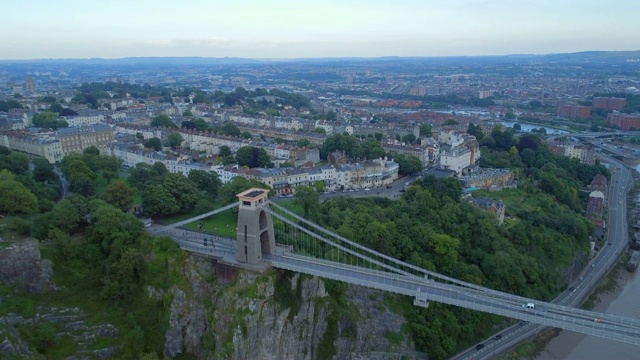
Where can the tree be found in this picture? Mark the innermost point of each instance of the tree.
(409, 165)
(162, 121)
(517, 127)
(65, 216)
(279, 140)
(203, 206)
(331, 116)
(303, 143)
(153, 143)
(91, 150)
(187, 113)
(118, 194)
(157, 201)
(43, 170)
(174, 140)
(230, 129)
(372, 149)
(246, 135)
(16, 198)
(48, 120)
(201, 124)
(244, 156)
(263, 160)
(17, 163)
(253, 157)
(56, 108)
(308, 198)
(378, 136)
(535, 104)
(206, 181)
(450, 122)
(425, 130)
(224, 150)
(510, 115)
(409, 138)
(320, 130)
(183, 190)
(123, 276)
(139, 136)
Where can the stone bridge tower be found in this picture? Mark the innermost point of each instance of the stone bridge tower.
(255, 227)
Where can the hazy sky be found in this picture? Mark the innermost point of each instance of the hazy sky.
(33, 29)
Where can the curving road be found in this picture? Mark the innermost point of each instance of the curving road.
(619, 187)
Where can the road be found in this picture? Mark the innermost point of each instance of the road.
(619, 186)
(63, 181)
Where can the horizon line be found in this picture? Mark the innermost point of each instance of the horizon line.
(318, 58)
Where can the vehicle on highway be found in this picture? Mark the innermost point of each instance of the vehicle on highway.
(366, 189)
(529, 305)
(479, 346)
(497, 337)
(389, 186)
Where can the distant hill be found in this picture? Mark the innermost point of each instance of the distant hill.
(587, 57)
(144, 61)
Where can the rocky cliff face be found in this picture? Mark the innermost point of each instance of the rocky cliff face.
(272, 316)
(21, 265)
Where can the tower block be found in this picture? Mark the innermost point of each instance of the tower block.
(255, 227)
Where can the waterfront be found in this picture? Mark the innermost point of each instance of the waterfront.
(528, 127)
(623, 301)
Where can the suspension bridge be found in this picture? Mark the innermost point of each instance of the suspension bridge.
(308, 248)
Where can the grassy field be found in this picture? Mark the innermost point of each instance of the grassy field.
(225, 223)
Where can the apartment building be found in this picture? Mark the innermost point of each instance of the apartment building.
(585, 153)
(460, 159)
(426, 154)
(43, 146)
(574, 111)
(608, 103)
(624, 121)
(76, 139)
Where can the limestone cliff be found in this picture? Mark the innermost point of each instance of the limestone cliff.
(219, 313)
(22, 267)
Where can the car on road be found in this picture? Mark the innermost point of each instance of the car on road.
(366, 189)
(479, 346)
(529, 305)
(497, 337)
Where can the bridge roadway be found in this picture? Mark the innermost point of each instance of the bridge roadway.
(424, 290)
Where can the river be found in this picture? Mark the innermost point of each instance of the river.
(574, 346)
(529, 127)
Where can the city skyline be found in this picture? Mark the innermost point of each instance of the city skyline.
(37, 29)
